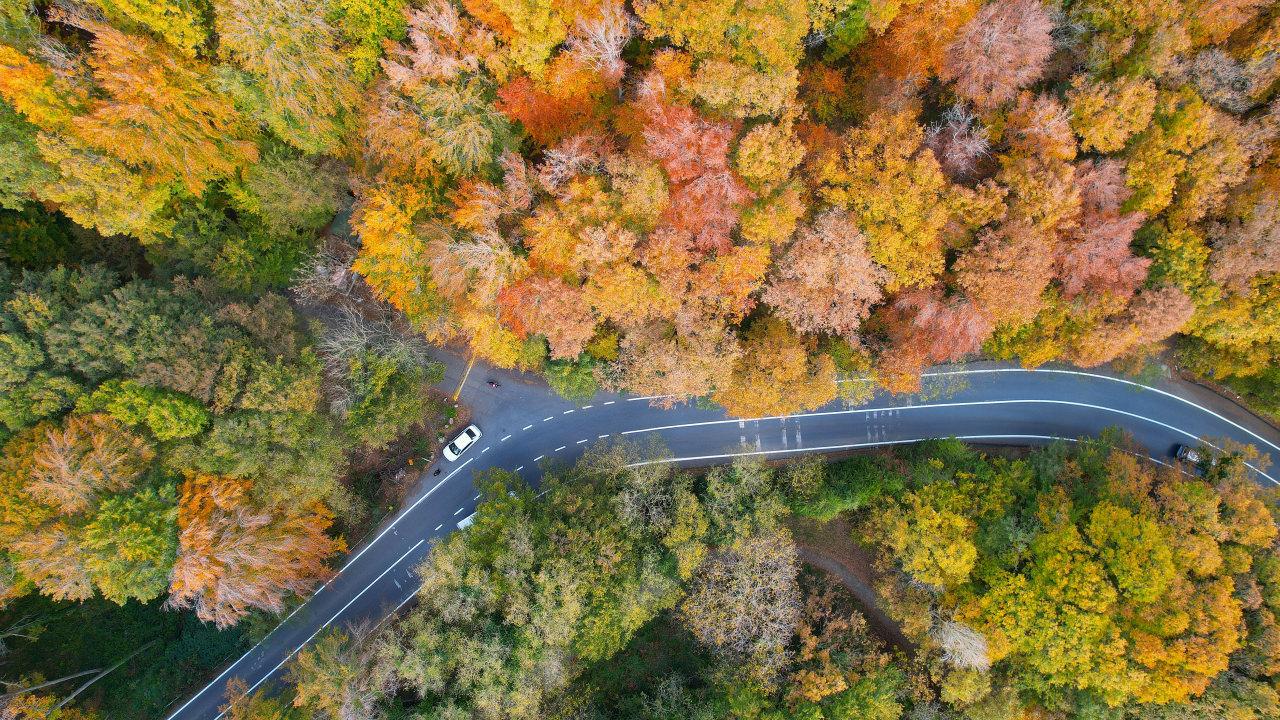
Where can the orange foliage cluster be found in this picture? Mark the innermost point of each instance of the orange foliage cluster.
(532, 175)
(233, 558)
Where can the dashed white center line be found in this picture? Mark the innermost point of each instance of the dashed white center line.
(539, 458)
(566, 412)
(558, 449)
(545, 419)
(611, 402)
(526, 427)
(477, 497)
(587, 407)
(505, 439)
(484, 451)
(519, 468)
(582, 441)
(439, 526)
(455, 512)
(601, 437)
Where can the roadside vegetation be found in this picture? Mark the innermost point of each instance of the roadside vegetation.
(688, 198)
(1074, 581)
(176, 454)
(229, 230)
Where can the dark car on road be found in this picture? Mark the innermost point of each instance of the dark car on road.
(1189, 454)
(1202, 461)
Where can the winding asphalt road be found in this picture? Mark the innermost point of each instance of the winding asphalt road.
(525, 426)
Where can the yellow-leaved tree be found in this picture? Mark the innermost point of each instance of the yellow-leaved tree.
(895, 190)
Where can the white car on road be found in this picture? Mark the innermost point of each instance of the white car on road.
(465, 439)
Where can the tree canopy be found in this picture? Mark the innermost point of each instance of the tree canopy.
(546, 182)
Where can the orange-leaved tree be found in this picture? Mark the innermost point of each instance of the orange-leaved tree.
(234, 557)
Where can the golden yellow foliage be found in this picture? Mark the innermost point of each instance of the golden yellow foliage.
(46, 100)
(162, 112)
(897, 193)
(1106, 114)
(393, 258)
(773, 218)
(778, 373)
(767, 155)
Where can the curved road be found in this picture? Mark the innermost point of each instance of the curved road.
(526, 426)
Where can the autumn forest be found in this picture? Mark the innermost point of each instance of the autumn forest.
(733, 202)
(657, 198)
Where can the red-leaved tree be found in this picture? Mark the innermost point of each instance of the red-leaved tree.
(706, 194)
(1096, 258)
(926, 327)
(547, 306)
(1008, 270)
(826, 281)
(1000, 51)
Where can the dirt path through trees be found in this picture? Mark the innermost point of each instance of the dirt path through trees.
(829, 547)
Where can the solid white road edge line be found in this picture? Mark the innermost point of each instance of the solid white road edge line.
(843, 446)
(1082, 373)
(326, 624)
(368, 545)
(893, 442)
(404, 512)
(971, 403)
(972, 371)
(653, 462)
